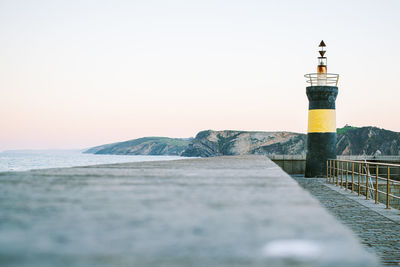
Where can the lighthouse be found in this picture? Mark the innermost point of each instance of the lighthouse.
(321, 131)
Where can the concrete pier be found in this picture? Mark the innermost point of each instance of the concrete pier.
(377, 227)
(223, 211)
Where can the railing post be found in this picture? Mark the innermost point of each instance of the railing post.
(376, 184)
(334, 170)
(337, 172)
(359, 175)
(341, 177)
(327, 170)
(387, 188)
(330, 171)
(347, 174)
(366, 182)
(352, 177)
(328, 177)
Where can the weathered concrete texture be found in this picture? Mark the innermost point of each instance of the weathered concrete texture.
(225, 211)
(378, 229)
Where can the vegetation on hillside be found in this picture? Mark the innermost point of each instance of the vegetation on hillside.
(345, 129)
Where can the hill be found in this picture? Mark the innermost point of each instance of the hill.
(216, 143)
(144, 146)
(209, 143)
(367, 141)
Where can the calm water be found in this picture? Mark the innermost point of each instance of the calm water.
(22, 160)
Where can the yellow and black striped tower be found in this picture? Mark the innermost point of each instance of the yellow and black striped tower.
(321, 133)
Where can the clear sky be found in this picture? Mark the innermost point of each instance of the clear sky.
(79, 73)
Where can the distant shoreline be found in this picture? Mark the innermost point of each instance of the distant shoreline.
(16, 161)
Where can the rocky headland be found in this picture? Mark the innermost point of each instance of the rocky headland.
(209, 143)
(144, 146)
(217, 143)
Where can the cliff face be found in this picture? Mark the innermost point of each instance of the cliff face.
(368, 141)
(144, 146)
(350, 141)
(215, 143)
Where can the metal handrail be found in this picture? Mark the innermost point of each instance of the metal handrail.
(361, 178)
(370, 162)
(325, 78)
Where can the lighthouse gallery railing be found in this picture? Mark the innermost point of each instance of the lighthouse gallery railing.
(322, 78)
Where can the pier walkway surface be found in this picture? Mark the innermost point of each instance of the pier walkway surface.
(223, 211)
(378, 229)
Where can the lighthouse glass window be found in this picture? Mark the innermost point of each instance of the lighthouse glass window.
(322, 71)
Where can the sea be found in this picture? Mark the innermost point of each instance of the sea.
(23, 160)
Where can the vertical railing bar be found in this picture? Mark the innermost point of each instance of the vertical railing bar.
(376, 184)
(387, 188)
(334, 170)
(352, 177)
(347, 174)
(359, 175)
(327, 171)
(366, 182)
(341, 178)
(337, 171)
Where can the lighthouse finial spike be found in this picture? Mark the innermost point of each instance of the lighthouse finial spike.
(322, 44)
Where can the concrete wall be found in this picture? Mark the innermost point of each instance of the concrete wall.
(291, 164)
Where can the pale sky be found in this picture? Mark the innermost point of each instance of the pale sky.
(76, 74)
